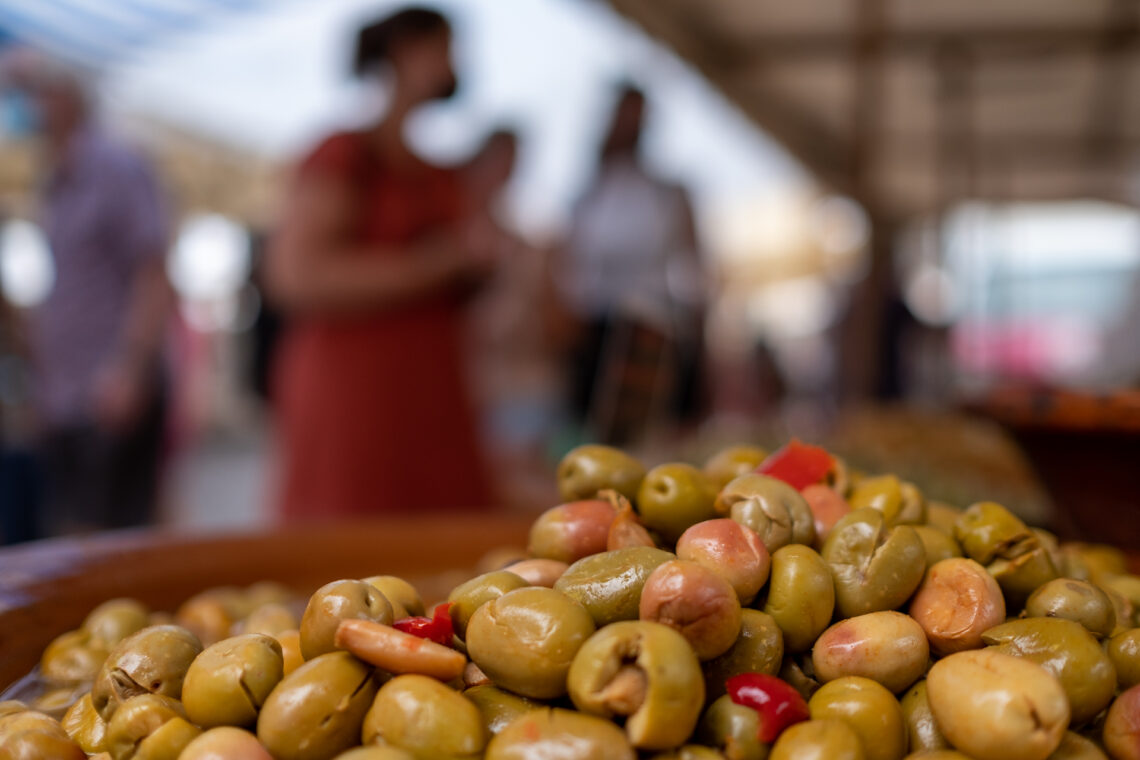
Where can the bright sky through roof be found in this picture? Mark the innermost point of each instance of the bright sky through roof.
(273, 80)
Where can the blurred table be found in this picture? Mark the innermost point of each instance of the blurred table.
(48, 587)
(1086, 450)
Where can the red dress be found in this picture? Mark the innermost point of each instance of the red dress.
(373, 409)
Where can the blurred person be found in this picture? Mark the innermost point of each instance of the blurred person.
(19, 482)
(633, 277)
(373, 263)
(97, 339)
(513, 323)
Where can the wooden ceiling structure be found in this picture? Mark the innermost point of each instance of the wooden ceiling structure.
(912, 106)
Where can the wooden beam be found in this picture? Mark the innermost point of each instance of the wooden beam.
(824, 152)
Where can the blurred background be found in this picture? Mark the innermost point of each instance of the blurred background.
(915, 232)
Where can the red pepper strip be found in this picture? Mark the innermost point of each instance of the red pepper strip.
(437, 628)
(797, 464)
(776, 703)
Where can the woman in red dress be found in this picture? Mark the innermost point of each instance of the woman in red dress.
(373, 261)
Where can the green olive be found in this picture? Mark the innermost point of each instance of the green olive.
(818, 740)
(674, 496)
(937, 544)
(11, 707)
(376, 753)
(72, 658)
(868, 708)
(498, 707)
(1076, 747)
(85, 726)
(695, 601)
(149, 727)
(334, 602)
(228, 682)
(226, 743)
(801, 596)
(526, 639)
(995, 706)
(1121, 734)
(875, 567)
(1124, 651)
(1079, 601)
(271, 618)
(398, 592)
(591, 468)
(151, 661)
(571, 531)
(644, 672)
(554, 734)
(426, 718)
(758, 649)
(921, 728)
(1012, 553)
(473, 594)
(690, 752)
(887, 647)
(772, 508)
(733, 729)
(732, 462)
(885, 494)
(212, 614)
(56, 701)
(1068, 651)
(317, 710)
(39, 745)
(113, 621)
(1126, 585)
(957, 602)
(609, 584)
(733, 551)
(942, 516)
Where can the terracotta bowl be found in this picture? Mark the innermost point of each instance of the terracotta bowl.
(48, 587)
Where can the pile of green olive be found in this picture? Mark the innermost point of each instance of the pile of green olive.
(902, 628)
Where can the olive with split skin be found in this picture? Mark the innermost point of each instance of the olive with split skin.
(869, 709)
(553, 733)
(591, 468)
(425, 717)
(498, 707)
(645, 672)
(399, 593)
(153, 660)
(228, 682)
(801, 596)
(695, 601)
(526, 639)
(673, 497)
(957, 602)
(733, 729)
(876, 567)
(771, 507)
(1079, 601)
(609, 584)
(901, 503)
(995, 706)
(149, 727)
(31, 735)
(85, 726)
(732, 462)
(758, 649)
(818, 740)
(334, 602)
(317, 710)
(993, 536)
(1069, 652)
(470, 595)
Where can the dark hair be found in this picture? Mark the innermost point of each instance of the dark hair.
(374, 42)
(615, 143)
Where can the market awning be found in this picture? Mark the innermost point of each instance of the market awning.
(908, 106)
